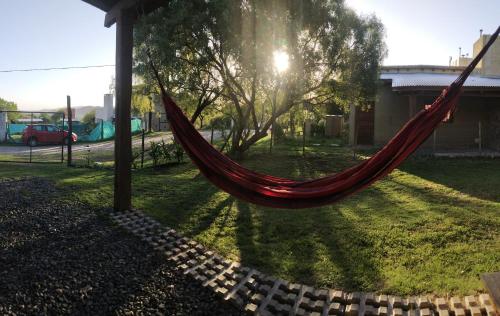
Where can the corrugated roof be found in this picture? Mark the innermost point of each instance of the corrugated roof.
(400, 80)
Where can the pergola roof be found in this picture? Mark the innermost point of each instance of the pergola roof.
(400, 80)
(104, 5)
(113, 6)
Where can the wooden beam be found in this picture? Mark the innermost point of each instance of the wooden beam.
(412, 105)
(492, 283)
(136, 6)
(123, 137)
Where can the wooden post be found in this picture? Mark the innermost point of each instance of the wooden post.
(70, 130)
(62, 145)
(412, 109)
(123, 137)
(142, 147)
(480, 138)
(31, 147)
(150, 119)
(434, 140)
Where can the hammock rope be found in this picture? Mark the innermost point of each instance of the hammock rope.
(280, 192)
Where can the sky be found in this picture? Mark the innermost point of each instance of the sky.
(60, 33)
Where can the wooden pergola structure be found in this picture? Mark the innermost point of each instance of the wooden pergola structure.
(124, 13)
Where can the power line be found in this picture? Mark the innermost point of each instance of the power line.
(55, 68)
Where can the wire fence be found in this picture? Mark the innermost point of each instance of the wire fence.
(28, 136)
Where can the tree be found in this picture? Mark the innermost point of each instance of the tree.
(264, 57)
(9, 106)
(89, 118)
(141, 99)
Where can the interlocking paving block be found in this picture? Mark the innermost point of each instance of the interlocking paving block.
(489, 310)
(290, 298)
(308, 291)
(336, 308)
(423, 303)
(382, 311)
(304, 302)
(485, 299)
(352, 310)
(354, 298)
(412, 312)
(236, 300)
(396, 301)
(410, 303)
(318, 305)
(440, 303)
(475, 311)
(382, 300)
(338, 296)
(398, 311)
(370, 299)
(251, 308)
(321, 294)
(220, 290)
(257, 298)
(456, 302)
(370, 310)
(470, 301)
(425, 312)
(443, 312)
(459, 312)
(294, 288)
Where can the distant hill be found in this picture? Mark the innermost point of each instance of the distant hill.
(80, 111)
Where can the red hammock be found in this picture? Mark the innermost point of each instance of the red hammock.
(285, 193)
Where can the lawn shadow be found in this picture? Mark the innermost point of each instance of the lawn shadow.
(298, 244)
(477, 180)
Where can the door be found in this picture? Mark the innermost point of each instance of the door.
(54, 134)
(365, 125)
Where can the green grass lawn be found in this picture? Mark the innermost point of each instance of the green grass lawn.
(432, 226)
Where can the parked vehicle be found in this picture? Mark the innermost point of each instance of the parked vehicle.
(45, 134)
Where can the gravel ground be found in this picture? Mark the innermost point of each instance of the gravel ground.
(64, 258)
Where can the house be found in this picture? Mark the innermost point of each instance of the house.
(405, 90)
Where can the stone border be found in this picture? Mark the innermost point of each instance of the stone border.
(261, 294)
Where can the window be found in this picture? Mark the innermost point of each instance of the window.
(52, 128)
(39, 128)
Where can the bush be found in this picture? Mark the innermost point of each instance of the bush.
(162, 152)
(318, 129)
(278, 132)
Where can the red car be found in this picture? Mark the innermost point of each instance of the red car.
(45, 133)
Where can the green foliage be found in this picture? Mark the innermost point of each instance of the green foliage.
(9, 106)
(226, 47)
(89, 119)
(278, 132)
(318, 128)
(141, 99)
(162, 152)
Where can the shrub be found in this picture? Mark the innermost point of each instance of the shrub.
(162, 152)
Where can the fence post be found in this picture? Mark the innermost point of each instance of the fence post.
(70, 131)
(304, 138)
(31, 147)
(62, 145)
(102, 130)
(212, 136)
(480, 138)
(142, 148)
(150, 119)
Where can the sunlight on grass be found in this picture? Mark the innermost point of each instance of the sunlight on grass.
(432, 226)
